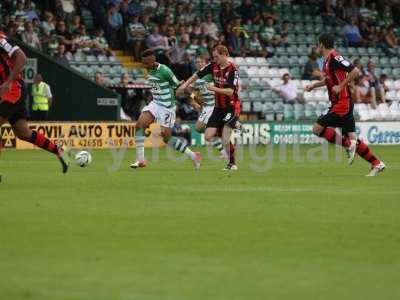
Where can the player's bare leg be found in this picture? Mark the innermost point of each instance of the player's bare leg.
(200, 127)
(361, 148)
(144, 121)
(181, 145)
(23, 132)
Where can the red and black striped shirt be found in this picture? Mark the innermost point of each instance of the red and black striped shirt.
(6, 64)
(335, 70)
(227, 77)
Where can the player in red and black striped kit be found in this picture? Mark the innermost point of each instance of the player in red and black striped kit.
(12, 100)
(338, 74)
(226, 112)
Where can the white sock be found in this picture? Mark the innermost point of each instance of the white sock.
(140, 148)
(190, 153)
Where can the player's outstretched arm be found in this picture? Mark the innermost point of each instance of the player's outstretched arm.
(181, 89)
(224, 91)
(315, 85)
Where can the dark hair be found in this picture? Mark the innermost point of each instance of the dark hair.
(327, 40)
(147, 53)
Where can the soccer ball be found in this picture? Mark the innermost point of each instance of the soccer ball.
(83, 158)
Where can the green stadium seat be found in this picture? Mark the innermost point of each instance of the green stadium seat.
(299, 112)
(288, 112)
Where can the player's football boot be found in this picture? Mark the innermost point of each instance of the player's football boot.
(64, 158)
(197, 160)
(351, 151)
(375, 170)
(138, 164)
(230, 167)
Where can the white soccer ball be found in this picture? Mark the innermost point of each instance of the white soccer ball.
(83, 158)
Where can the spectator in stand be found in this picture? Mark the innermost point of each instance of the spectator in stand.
(209, 27)
(340, 13)
(65, 37)
(195, 28)
(270, 8)
(385, 18)
(359, 66)
(75, 24)
(284, 33)
(136, 34)
(364, 93)
(61, 56)
(183, 33)
(48, 24)
(226, 14)
(367, 34)
(374, 82)
(391, 38)
(30, 37)
(100, 44)
(19, 22)
(99, 79)
(52, 44)
(351, 10)
(236, 43)
(84, 41)
(115, 32)
(268, 33)
(147, 23)
(180, 60)
(254, 46)
(381, 98)
(135, 8)
(288, 91)
(155, 40)
(68, 8)
(385, 42)
(311, 69)
(188, 14)
(247, 10)
(30, 11)
(20, 10)
(328, 13)
(351, 34)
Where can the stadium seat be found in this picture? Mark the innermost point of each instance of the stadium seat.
(299, 113)
(288, 112)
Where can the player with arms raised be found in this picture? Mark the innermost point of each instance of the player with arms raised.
(227, 105)
(338, 74)
(161, 110)
(12, 100)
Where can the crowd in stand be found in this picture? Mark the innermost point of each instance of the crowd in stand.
(178, 33)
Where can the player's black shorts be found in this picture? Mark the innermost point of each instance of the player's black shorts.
(346, 122)
(221, 117)
(14, 112)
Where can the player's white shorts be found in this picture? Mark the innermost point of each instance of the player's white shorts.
(163, 115)
(205, 114)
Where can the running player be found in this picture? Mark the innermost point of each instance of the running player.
(202, 98)
(227, 105)
(338, 74)
(161, 110)
(12, 100)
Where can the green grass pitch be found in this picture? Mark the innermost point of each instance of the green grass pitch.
(303, 230)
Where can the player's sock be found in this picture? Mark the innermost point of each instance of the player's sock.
(334, 138)
(139, 140)
(43, 142)
(181, 145)
(232, 159)
(217, 143)
(366, 153)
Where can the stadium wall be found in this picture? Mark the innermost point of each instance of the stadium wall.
(105, 135)
(75, 98)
